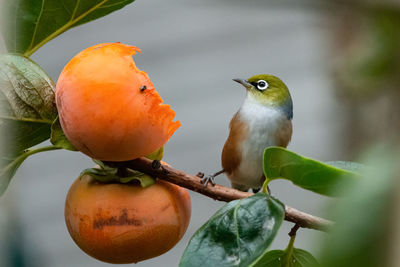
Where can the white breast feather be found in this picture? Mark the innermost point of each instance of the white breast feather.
(264, 122)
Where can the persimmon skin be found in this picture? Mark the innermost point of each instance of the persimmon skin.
(108, 108)
(125, 223)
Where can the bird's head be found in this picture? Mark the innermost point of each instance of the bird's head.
(265, 89)
(268, 90)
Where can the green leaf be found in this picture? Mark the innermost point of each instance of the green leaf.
(8, 169)
(347, 165)
(281, 258)
(29, 24)
(58, 137)
(27, 110)
(237, 234)
(27, 103)
(307, 173)
(290, 257)
(10, 166)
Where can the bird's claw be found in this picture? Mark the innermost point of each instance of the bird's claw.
(208, 179)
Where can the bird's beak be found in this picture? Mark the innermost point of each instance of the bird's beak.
(245, 83)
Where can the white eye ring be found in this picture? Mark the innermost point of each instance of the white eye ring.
(262, 85)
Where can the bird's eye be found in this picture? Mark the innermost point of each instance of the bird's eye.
(262, 85)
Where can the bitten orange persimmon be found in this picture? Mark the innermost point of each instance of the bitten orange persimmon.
(108, 108)
(125, 223)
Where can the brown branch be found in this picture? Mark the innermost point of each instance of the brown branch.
(218, 192)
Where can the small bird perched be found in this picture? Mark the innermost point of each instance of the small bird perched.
(263, 120)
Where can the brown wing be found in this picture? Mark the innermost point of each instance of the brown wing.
(284, 135)
(230, 153)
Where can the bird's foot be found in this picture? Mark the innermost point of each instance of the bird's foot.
(208, 179)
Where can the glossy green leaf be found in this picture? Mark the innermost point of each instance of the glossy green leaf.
(27, 110)
(29, 24)
(58, 137)
(319, 177)
(290, 257)
(237, 234)
(281, 258)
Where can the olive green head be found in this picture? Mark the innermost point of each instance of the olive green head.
(268, 90)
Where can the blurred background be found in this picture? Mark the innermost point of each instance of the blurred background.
(340, 59)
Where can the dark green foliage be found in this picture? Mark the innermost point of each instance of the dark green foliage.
(237, 234)
(27, 110)
(364, 230)
(29, 24)
(282, 258)
(27, 105)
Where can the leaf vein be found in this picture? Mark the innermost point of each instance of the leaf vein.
(33, 86)
(235, 211)
(37, 24)
(26, 119)
(65, 8)
(63, 28)
(75, 10)
(15, 86)
(13, 108)
(115, 4)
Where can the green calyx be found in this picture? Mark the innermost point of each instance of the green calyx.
(107, 174)
(156, 155)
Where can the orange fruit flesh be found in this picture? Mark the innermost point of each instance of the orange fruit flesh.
(119, 223)
(104, 110)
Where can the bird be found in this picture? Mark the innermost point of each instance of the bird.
(264, 119)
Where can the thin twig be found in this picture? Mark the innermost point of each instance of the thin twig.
(218, 192)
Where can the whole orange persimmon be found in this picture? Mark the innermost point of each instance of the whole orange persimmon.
(108, 108)
(125, 223)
